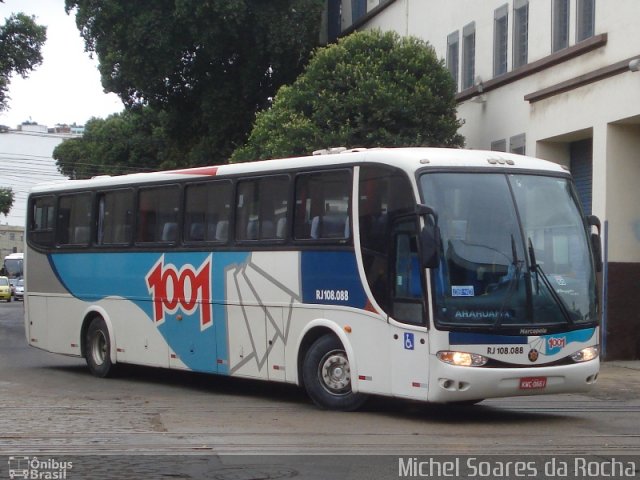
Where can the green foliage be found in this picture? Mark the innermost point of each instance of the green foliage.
(21, 40)
(208, 66)
(6, 200)
(370, 89)
(122, 143)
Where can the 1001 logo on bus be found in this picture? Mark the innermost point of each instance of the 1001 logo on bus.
(187, 289)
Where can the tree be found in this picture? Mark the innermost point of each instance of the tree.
(127, 142)
(370, 89)
(6, 200)
(21, 41)
(208, 66)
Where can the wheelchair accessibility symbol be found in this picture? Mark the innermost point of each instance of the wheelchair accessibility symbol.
(408, 341)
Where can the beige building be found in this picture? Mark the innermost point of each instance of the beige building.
(556, 79)
(11, 241)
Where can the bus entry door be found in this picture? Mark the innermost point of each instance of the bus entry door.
(409, 363)
(410, 348)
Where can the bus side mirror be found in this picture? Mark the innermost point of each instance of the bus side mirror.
(596, 244)
(429, 237)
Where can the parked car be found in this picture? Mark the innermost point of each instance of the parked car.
(18, 291)
(5, 289)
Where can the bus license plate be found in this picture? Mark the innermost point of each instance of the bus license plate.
(533, 383)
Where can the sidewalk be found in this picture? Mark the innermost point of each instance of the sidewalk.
(619, 380)
(632, 364)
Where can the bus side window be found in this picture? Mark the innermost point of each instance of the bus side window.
(74, 219)
(115, 217)
(207, 211)
(42, 221)
(262, 208)
(158, 214)
(322, 206)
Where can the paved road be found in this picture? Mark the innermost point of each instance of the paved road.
(50, 404)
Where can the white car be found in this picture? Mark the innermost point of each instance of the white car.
(18, 292)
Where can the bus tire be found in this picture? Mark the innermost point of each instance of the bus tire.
(98, 348)
(326, 376)
(466, 403)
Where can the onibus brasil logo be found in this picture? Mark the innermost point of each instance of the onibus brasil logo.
(37, 468)
(187, 289)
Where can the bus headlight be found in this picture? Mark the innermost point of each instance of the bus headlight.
(462, 359)
(586, 354)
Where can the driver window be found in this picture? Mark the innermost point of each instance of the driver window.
(407, 304)
(384, 194)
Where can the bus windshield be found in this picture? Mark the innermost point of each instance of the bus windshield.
(514, 252)
(13, 267)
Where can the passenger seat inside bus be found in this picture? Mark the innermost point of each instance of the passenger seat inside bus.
(196, 232)
(331, 225)
(268, 231)
(281, 228)
(81, 235)
(222, 231)
(170, 232)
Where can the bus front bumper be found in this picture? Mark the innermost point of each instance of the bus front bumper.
(451, 383)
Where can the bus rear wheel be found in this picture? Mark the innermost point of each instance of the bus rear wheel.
(326, 376)
(98, 348)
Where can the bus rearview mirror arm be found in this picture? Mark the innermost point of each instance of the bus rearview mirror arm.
(429, 237)
(596, 244)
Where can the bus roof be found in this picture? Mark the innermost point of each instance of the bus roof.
(408, 159)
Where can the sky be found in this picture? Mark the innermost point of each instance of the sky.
(66, 87)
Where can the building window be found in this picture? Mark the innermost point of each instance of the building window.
(499, 145)
(520, 32)
(560, 30)
(468, 55)
(518, 144)
(453, 55)
(500, 40)
(586, 19)
(358, 9)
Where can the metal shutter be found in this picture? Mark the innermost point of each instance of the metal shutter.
(582, 171)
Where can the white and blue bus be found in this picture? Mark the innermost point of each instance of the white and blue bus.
(439, 275)
(13, 267)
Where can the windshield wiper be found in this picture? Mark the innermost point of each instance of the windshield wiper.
(514, 280)
(535, 267)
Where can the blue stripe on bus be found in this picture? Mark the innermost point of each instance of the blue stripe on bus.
(467, 338)
(556, 342)
(331, 278)
(326, 277)
(94, 276)
(553, 342)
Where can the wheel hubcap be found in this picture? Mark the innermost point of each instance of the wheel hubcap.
(99, 348)
(334, 373)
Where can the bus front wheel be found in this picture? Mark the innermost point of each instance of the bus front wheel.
(326, 376)
(98, 348)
